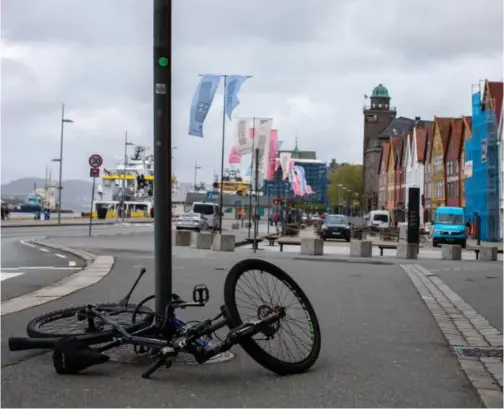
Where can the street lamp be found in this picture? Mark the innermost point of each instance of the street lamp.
(60, 159)
(196, 167)
(126, 144)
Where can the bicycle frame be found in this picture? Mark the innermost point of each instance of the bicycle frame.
(170, 348)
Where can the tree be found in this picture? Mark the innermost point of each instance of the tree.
(346, 185)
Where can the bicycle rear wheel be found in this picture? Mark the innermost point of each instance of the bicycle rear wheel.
(253, 290)
(65, 322)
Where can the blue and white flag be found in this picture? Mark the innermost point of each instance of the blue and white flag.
(279, 145)
(201, 103)
(233, 85)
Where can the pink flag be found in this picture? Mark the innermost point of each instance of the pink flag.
(234, 157)
(272, 154)
(309, 190)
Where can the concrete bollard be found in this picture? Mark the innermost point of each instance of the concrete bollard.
(182, 238)
(223, 242)
(451, 252)
(235, 226)
(408, 251)
(312, 246)
(203, 241)
(361, 248)
(488, 254)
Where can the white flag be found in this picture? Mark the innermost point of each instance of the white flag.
(262, 133)
(262, 137)
(285, 158)
(243, 142)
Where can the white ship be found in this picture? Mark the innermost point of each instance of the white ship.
(131, 181)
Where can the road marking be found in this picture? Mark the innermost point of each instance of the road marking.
(24, 243)
(40, 268)
(60, 255)
(72, 263)
(6, 276)
(44, 250)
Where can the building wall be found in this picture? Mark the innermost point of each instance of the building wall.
(500, 143)
(316, 177)
(427, 182)
(416, 174)
(482, 187)
(465, 137)
(437, 171)
(390, 180)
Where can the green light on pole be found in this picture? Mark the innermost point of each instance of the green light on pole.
(163, 62)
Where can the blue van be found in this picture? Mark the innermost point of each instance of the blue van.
(449, 226)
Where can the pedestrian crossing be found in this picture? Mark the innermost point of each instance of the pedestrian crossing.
(6, 276)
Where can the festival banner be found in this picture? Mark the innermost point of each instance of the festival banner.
(243, 143)
(233, 85)
(201, 103)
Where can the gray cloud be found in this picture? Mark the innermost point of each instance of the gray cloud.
(311, 62)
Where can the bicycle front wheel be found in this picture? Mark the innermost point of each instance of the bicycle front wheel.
(255, 289)
(66, 322)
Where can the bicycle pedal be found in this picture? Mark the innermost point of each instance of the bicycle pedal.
(201, 294)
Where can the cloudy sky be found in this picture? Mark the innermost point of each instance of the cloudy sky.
(312, 61)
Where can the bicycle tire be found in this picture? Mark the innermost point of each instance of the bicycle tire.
(251, 347)
(34, 327)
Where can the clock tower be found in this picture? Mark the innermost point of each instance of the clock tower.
(377, 116)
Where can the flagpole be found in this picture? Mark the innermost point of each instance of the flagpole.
(221, 197)
(251, 177)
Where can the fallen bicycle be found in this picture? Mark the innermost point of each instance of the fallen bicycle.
(104, 326)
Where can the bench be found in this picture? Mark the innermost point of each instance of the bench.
(271, 240)
(477, 251)
(282, 243)
(385, 247)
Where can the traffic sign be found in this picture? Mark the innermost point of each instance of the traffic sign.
(94, 172)
(95, 161)
(209, 196)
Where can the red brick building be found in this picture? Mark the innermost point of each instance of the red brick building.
(452, 164)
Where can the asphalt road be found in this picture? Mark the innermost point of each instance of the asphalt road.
(26, 267)
(381, 347)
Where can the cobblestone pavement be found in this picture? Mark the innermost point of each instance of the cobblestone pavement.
(477, 344)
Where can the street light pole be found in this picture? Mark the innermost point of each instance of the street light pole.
(162, 90)
(123, 199)
(60, 159)
(196, 167)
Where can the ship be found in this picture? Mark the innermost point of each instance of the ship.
(130, 181)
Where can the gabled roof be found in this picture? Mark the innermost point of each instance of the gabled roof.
(395, 146)
(455, 139)
(397, 127)
(495, 89)
(383, 157)
(405, 143)
(444, 125)
(421, 140)
(428, 141)
(467, 124)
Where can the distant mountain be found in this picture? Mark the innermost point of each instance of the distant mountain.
(76, 194)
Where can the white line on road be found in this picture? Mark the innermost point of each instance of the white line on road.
(6, 276)
(72, 263)
(39, 268)
(24, 243)
(43, 249)
(60, 255)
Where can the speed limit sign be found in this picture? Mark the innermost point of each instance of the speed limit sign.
(95, 161)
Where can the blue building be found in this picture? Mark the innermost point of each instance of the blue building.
(316, 177)
(482, 168)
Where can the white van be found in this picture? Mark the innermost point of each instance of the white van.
(379, 218)
(211, 211)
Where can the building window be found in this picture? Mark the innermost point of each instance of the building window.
(483, 151)
(371, 118)
(456, 168)
(457, 189)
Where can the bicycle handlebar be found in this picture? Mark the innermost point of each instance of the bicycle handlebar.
(23, 344)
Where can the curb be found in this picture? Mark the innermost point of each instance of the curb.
(463, 329)
(74, 224)
(96, 268)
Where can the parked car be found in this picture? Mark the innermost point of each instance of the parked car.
(335, 226)
(192, 221)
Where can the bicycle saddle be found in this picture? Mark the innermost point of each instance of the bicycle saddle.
(70, 356)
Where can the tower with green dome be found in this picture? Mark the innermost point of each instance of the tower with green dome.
(378, 114)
